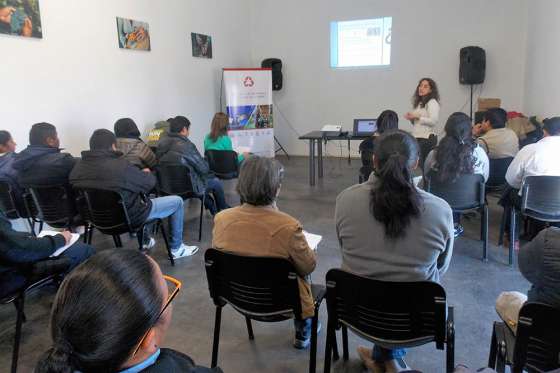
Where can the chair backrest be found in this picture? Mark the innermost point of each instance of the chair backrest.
(106, 210)
(465, 193)
(223, 163)
(541, 198)
(498, 169)
(264, 288)
(55, 204)
(7, 201)
(391, 313)
(174, 180)
(537, 344)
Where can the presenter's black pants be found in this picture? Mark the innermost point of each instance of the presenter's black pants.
(426, 146)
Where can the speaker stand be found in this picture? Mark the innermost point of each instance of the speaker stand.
(281, 148)
(472, 85)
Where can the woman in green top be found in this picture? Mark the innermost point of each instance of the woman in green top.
(218, 138)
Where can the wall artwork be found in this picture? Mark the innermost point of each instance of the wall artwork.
(21, 17)
(133, 34)
(201, 45)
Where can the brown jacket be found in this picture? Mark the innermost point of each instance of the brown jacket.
(265, 231)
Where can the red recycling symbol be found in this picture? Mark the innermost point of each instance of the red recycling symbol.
(248, 81)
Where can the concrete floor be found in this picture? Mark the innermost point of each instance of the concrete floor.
(472, 287)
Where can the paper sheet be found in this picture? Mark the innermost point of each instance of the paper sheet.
(73, 240)
(312, 239)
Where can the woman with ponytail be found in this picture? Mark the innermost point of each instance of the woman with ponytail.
(390, 230)
(457, 154)
(111, 314)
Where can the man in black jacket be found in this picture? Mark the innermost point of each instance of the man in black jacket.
(42, 163)
(103, 167)
(22, 253)
(176, 148)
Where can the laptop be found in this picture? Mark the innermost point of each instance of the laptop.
(365, 127)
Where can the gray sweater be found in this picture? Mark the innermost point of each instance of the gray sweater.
(423, 252)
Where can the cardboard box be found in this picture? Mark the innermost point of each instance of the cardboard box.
(488, 103)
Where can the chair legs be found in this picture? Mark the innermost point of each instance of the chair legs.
(328, 347)
(512, 231)
(345, 354)
(216, 344)
(484, 233)
(19, 304)
(200, 218)
(164, 235)
(117, 240)
(450, 342)
(313, 347)
(249, 328)
(493, 349)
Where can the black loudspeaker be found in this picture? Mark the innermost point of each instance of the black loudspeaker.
(276, 65)
(472, 68)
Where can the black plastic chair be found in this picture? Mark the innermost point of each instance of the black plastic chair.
(260, 288)
(108, 213)
(56, 205)
(467, 193)
(17, 298)
(10, 207)
(497, 179)
(175, 180)
(540, 200)
(389, 314)
(223, 163)
(536, 348)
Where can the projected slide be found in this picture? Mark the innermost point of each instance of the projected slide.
(361, 43)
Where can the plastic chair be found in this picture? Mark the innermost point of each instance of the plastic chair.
(260, 288)
(175, 180)
(536, 348)
(389, 314)
(109, 215)
(56, 205)
(464, 194)
(497, 179)
(223, 163)
(10, 207)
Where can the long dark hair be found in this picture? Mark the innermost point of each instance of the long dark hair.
(395, 200)
(454, 155)
(388, 120)
(100, 313)
(418, 100)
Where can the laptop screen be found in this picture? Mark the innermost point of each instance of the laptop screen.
(365, 126)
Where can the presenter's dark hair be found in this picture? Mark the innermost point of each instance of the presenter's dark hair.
(497, 117)
(178, 123)
(40, 132)
(100, 313)
(259, 180)
(454, 155)
(552, 126)
(394, 200)
(5, 136)
(417, 100)
(102, 139)
(219, 126)
(388, 120)
(127, 128)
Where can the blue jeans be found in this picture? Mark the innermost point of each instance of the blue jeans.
(172, 207)
(78, 253)
(381, 354)
(214, 186)
(303, 327)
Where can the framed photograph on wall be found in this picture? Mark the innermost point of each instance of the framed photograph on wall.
(133, 34)
(21, 18)
(201, 45)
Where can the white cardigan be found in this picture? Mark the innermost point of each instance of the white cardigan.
(426, 124)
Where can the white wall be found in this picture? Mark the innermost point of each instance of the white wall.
(77, 78)
(426, 37)
(542, 95)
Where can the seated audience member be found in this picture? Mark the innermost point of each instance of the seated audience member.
(538, 159)
(23, 256)
(390, 230)
(388, 120)
(176, 148)
(42, 163)
(457, 154)
(111, 314)
(258, 228)
(103, 167)
(218, 138)
(539, 263)
(497, 140)
(133, 148)
(7, 171)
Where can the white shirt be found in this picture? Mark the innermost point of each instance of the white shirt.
(426, 124)
(481, 162)
(539, 159)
